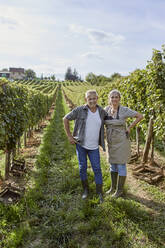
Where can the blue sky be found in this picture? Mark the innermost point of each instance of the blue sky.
(99, 36)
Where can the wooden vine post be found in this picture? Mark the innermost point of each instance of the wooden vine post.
(7, 163)
(25, 140)
(137, 140)
(148, 141)
(152, 147)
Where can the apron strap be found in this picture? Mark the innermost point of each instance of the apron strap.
(117, 117)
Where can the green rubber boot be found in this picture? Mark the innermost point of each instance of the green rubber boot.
(114, 176)
(85, 188)
(120, 187)
(99, 192)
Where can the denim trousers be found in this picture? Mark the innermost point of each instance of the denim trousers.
(94, 157)
(120, 168)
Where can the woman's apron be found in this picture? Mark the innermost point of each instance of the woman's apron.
(119, 149)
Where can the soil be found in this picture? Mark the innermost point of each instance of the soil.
(29, 153)
(135, 187)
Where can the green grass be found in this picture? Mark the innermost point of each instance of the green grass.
(52, 213)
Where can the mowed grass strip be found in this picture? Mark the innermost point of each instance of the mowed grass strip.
(53, 215)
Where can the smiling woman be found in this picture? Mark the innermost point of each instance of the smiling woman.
(118, 140)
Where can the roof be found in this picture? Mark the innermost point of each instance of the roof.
(5, 72)
(13, 69)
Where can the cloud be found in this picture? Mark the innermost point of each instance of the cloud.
(104, 38)
(157, 25)
(50, 65)
(22, 34)
(77, 29)
(98, 37)
(91, 55)
(8, 21)
(50, 37)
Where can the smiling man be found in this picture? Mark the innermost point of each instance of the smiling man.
(88, 134)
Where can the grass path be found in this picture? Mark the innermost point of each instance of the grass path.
(52, 214)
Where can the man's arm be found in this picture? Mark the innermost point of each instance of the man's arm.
(67, 130)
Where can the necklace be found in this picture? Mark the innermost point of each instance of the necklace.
(114, 112)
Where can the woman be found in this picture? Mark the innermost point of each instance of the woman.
(118, 140)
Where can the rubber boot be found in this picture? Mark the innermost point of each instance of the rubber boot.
(120, 187)
(85, 188)
(114, 176)
(99, 192)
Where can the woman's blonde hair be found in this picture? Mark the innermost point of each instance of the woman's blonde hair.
(114, 91)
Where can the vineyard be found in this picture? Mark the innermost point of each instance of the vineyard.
(40, 191)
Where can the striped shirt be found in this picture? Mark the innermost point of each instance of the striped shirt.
(124, 112)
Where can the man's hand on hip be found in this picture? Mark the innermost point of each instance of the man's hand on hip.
(72, 140)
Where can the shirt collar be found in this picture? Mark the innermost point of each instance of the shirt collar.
(86, 106)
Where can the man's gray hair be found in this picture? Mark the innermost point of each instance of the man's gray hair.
(114, 91)
(88, 92)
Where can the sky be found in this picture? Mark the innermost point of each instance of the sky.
(98, 36)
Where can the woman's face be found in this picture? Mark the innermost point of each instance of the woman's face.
(114, 99)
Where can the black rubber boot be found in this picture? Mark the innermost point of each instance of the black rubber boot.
(114, 176)
(85, 188)
(120, 187)
(99, 192)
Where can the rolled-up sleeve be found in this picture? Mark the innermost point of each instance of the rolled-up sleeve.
(129, 112)
(72, 115)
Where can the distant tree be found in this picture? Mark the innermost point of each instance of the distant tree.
(100, 79)
(115, 76)
(68, 74)
(53, 77)
(91, 78)
(30, 74)
(73, 76)
(5, 69)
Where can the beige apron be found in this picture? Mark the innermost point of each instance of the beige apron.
(119, 149)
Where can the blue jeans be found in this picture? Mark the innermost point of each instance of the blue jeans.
(94, 157)
(120, 168)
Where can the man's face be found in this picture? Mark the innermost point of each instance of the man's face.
(91, 100)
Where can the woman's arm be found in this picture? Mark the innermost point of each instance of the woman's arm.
(138, 117)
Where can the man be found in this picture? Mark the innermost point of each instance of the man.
(88, 134)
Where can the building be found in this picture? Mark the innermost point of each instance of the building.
(13, 73)
(5, 74)
(17, 73)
